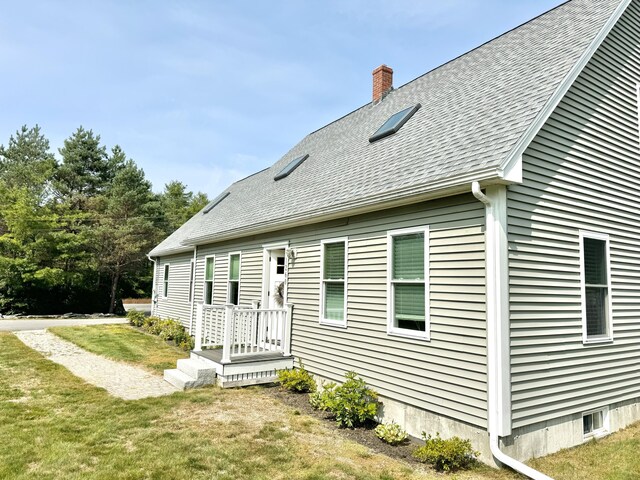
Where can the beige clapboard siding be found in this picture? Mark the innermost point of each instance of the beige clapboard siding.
(446, 375)
(581, 172)
(177, 304)
(450, 374)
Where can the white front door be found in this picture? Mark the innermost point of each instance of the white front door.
(276, 281)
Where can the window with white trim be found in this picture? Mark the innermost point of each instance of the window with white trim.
(333, 306)
(209, 270)
(595, 423)
(596, 286)
(165, 282)
(233, 290)
(407, 270)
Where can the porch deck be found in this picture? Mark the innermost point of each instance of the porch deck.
(255, 342)
(215, 355)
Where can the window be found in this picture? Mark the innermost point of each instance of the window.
(595, 424)
(165, 281)
(408, 297)
(209, 268)
(333, 306)
(191, 281)
(279, 265)
(596, 287)
(215, 202)
(233, 292)
(395, 123)
(292, 165)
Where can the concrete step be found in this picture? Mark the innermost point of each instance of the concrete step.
(179, 379)
(198, 370)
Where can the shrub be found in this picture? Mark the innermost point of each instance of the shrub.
(297, 380)
(446, 455)
(320, 398)
(352, 403)
(153, 325)
(170, 329)
(391, 433)
(136, 317)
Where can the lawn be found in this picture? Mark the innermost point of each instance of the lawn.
(121, 342)
(56, 426)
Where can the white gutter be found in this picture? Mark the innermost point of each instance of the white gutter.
(153, 285)
(498, 368)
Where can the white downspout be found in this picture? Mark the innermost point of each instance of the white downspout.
(498, 386)
(153, 285)
(192, 286)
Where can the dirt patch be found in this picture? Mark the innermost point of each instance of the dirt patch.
(364, 436)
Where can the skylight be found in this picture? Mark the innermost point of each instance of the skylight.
(293, 164)
(215, 202)
(395, 123)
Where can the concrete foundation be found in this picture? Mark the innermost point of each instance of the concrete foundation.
(528, 442)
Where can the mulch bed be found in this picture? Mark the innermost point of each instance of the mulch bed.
(363, 435)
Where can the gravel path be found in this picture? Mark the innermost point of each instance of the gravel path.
(119, 379)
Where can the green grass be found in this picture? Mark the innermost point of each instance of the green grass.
(55, 426)
(123, 343)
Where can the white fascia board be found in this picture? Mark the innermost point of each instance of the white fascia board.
(515, 156)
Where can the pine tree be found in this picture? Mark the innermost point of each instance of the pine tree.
(126, 228)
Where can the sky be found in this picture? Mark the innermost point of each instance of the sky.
(208, 92)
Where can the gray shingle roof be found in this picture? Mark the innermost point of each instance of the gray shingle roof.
(474, 110)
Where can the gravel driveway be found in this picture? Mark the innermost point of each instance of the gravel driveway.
(119, 379)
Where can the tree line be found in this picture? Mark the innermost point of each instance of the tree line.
(74, 232)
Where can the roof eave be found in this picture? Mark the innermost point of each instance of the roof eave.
(513, 162)
(446, 187)
(163, 252)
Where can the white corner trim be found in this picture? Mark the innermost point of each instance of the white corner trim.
(562, 90)
(585, 338)
(192, 287)
(322, 319)
(498, 368)
(154, 282)
(391, 329)
(498, 331)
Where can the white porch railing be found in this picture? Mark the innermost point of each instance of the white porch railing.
(243, 332)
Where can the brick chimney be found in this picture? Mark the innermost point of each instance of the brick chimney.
(382, 82)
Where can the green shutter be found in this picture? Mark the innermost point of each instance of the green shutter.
(408, 257)
(234, 267)
(409, 306)
(208, 275)
(334, 261)
(334, 301)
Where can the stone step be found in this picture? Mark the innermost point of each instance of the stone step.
(198, 370)
(179, 379)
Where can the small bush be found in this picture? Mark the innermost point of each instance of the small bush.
(320, 398)
(352, 403)
(170, 329)
(136, 318)
(297, 380)
(150, 324)
(446, 455)
(391, 433)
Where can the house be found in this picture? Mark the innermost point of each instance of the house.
(469, 243)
